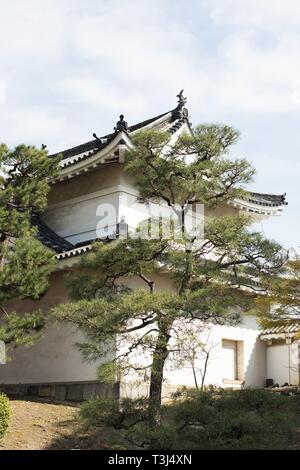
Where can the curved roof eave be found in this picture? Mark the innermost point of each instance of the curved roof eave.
(260, 203)
(108, 154)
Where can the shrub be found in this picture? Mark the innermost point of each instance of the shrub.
(121, 414)
(4, 414)
(210, 419)
(226, 419)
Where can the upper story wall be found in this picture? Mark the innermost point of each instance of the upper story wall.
(90, 205)
(77, 206)
(102, 178)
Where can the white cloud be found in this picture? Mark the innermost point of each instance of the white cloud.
(138, 52)
(257, 77)
(138, 49)
(3, 93)
(96, 92)
(133, 54)
(32, 126)
(31, 30)
(258, 53)
(266, 14)
(71, 67)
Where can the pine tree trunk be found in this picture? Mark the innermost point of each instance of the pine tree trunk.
(161, 349)
(156, 379)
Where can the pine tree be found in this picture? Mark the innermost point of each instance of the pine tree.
(207, 273)
(25, 264)
(281, 304)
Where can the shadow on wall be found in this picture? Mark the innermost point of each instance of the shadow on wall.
(255, 370)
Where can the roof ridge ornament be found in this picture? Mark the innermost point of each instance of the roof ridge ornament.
(96, 137)
(180, 112)
(181, 100)
(121, 125)
(101, 140)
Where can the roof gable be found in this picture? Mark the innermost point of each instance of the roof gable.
(170, 121)
(163, 121)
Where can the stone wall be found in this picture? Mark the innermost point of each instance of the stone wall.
(73, 392)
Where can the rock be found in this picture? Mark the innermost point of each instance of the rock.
(33, 390)
(60, 392)
(44, 391)
(74, 393)
(89, 391)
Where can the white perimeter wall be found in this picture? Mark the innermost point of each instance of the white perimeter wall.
(283, 363)
(252, 362)
(54, 358)
(51, 359)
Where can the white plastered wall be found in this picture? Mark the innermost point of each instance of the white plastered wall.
(251, 357)
(53, 358)
(251, 366)
(283, 363)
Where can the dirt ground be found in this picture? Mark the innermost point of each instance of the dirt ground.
(37, 426)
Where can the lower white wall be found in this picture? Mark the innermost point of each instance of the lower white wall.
(53, 358)
(253, 367)
(283, 363)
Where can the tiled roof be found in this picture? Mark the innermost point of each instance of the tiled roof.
(62, 247)
(292, 328)
(90, 146)
(76, 251)
(78, 155)
(49, 238)
(83, 247)
(142, 124)
(87, 149)
(270, 200)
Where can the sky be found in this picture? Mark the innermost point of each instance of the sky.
(68, 68)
